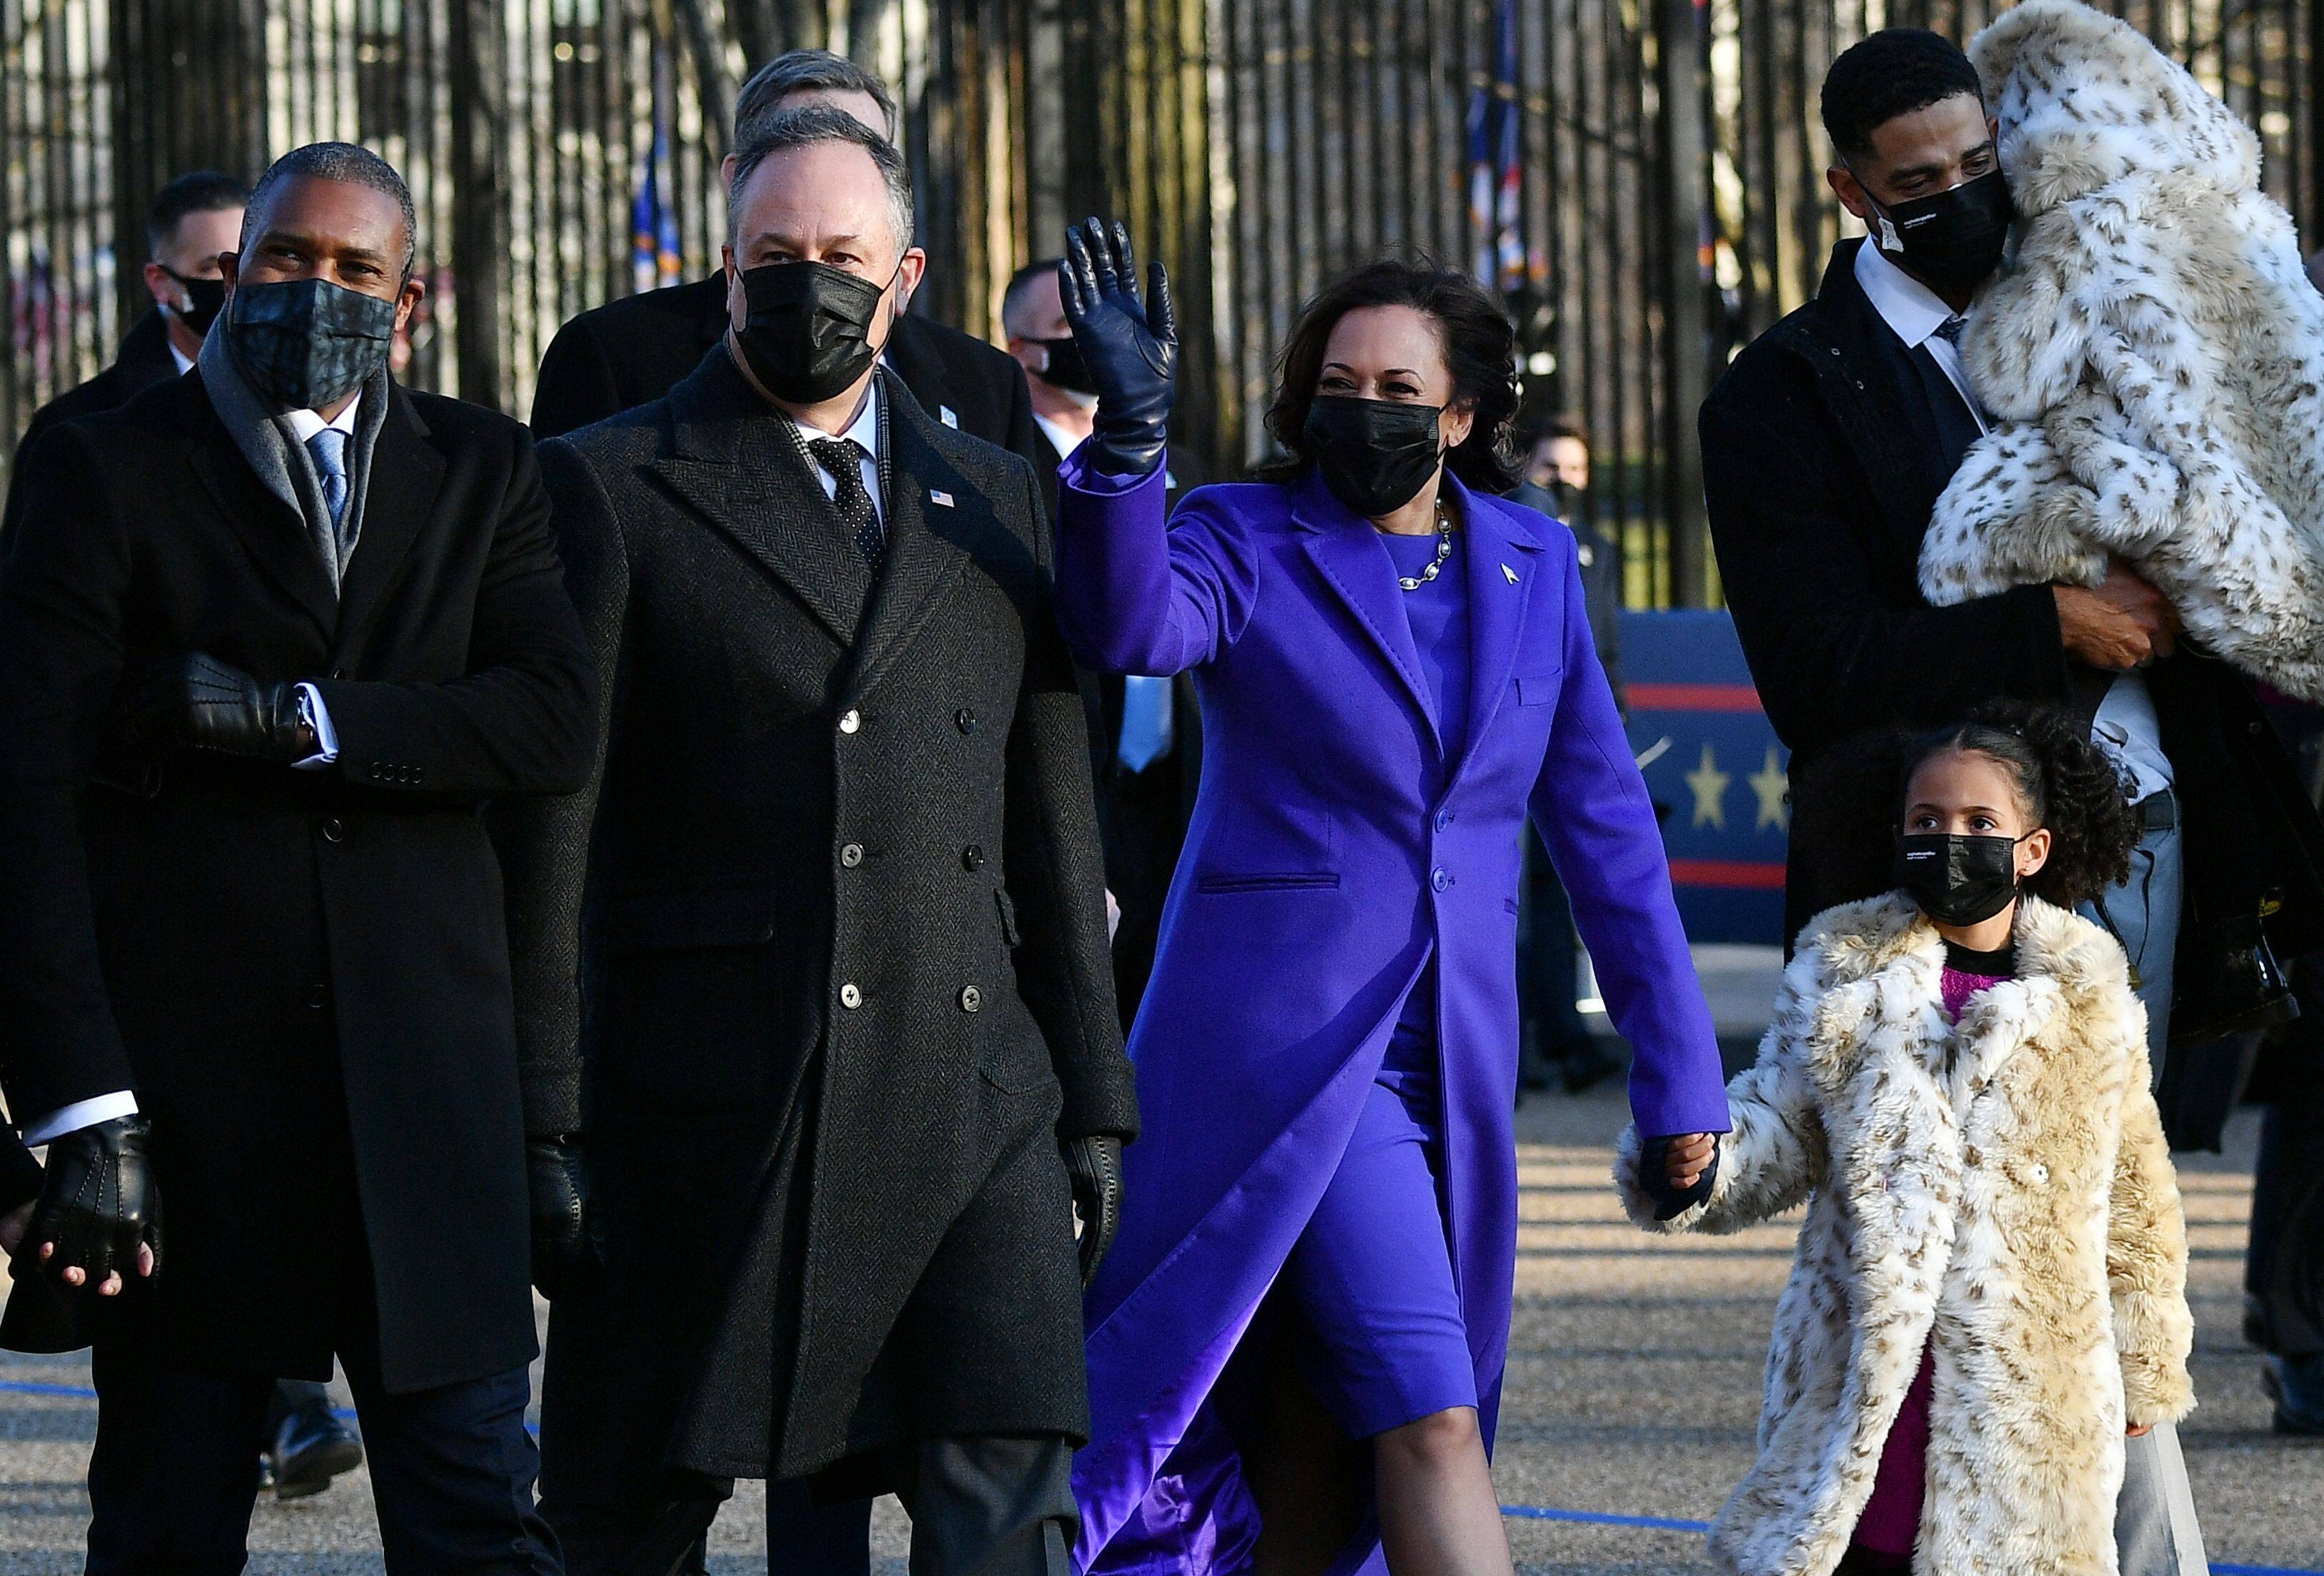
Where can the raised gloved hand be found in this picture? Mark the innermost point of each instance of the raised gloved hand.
(195, 702)
(1672, 1197)
(566, 1245)
(98, 1207)
(1130, 346)
(1093, 1165)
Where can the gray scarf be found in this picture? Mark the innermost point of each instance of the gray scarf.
(266, 440)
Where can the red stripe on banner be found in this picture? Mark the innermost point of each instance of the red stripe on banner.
(1753, 874)
(1692, 698)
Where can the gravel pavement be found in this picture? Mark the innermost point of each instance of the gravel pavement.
(1632, 1391)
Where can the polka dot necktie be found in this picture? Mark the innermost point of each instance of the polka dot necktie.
(842, 459)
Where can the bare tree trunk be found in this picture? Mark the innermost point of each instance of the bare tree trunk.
(479, 247)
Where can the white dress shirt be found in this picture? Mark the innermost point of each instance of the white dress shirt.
(864, 433)
(88, 1113)
(2124, 728)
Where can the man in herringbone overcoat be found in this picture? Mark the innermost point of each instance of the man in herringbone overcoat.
(827, 1001)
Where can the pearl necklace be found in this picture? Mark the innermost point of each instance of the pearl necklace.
(1443, 550)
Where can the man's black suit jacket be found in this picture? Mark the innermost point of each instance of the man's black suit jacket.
(302, 976)
(144, 361)
(619, 356)
(1821, 462)
(833, 981)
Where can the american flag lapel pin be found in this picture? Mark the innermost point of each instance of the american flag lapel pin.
(938, 495)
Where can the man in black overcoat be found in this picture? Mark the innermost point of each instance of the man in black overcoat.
(270, 636)
(1146, 734)
(618, 356)
(1825, 446)
(191, 221)
(829, 995)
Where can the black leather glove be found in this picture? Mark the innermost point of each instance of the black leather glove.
(566, 1246)
(1094, 1167)
(97, 1203)
(1654, 1177)
(195, 702)
(1131, 348)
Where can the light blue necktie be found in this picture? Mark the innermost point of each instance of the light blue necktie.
(1145, 721)
(329, 449)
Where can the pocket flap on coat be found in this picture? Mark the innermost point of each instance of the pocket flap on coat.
(691, 918)
(1538, 689)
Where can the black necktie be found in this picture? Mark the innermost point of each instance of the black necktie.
(843, 460)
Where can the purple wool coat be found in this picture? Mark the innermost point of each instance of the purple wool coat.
(1333, 852)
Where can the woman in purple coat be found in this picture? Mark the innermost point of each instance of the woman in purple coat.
(1395, 674)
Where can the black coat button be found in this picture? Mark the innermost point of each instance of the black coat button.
(851, 854)
(334, 829)
(971, 999)
(966, 719)
(338, 673)
(319, 997)
(972, 858)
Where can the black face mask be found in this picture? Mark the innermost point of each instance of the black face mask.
(1065, 370)
(1958, 880)
(204, 299)
(304, 342)
(1952, 241)
(1374, 454)
(806, 332)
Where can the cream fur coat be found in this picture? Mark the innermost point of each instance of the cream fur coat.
(2000, 1187)
(2154, 355)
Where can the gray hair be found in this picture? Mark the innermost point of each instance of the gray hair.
(803, 72)
(810, 126)
(347, 162)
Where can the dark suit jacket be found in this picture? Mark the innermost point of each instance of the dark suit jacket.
(302, 975)
(1822, 461)
(619, 356)
(144, 361)
(842, 940)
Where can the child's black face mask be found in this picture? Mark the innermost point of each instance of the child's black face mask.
(1955, 879)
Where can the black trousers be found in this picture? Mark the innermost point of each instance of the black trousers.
(1142, 818)
(175, 1470)
(985, 1505)
(2284, 1273)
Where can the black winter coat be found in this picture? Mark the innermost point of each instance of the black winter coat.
(619, 356)
(302, 975)
(144, 361)
(1822, 461)
(833, 982)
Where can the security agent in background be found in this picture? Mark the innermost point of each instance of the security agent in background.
(617, 356)
(270, 635)
(1825, 446)
(1146, 734)
(192, 220)
(1557, 1042)
(848, 1061)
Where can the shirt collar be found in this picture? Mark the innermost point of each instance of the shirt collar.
(305, 424)
(1064, 442)
(863, 431)
(1906, 305)
(179, 358)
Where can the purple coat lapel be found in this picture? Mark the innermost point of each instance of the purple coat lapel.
(1359, 572)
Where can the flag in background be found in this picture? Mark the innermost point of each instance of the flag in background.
(1496, 176)
(654, 256)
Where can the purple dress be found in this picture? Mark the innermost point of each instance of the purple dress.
(1350, 840)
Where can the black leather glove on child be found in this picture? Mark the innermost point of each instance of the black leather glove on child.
(1130, 346)
(99, 1203)
(1654, 1177)
(1093, 1165)
(195, 702)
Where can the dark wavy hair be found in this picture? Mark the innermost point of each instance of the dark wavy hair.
(1481, 348)
(1849, 809)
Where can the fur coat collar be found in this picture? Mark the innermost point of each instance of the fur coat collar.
(1996, 1189)
(2153, 355)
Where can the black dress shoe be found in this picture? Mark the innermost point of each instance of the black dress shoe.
(312, 1448)
(2296, 1386)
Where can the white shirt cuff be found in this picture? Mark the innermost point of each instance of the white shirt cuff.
(79, 1114)
(327, 737)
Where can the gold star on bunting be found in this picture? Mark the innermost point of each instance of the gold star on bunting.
(1770, 782)
(1710, 785)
